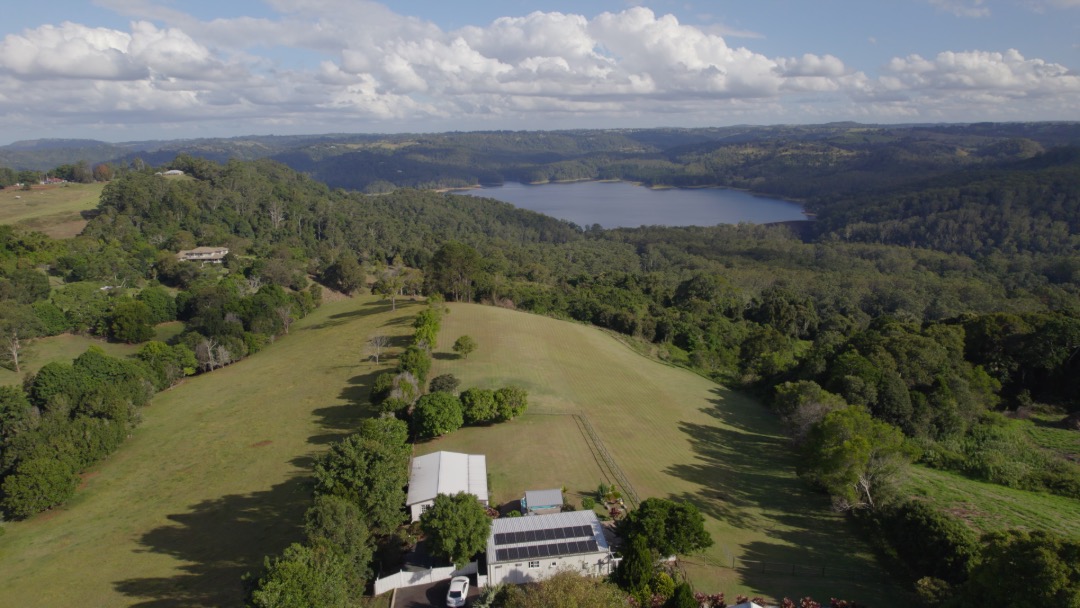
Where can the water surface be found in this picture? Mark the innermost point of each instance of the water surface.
(624, 205)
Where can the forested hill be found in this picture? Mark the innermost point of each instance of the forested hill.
(1028, 206)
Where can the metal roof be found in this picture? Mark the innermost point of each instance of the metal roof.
(556, 534)
(543, 498)
(447, 473)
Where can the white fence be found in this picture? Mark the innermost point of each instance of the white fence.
(422, 577)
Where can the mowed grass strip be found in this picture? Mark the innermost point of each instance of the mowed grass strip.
(54, 210)
(674, 434)
(215, 478)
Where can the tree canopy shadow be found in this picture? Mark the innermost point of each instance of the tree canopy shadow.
(218, 541)
(744, 478)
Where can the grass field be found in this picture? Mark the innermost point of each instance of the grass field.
(989, 507)
(64, 347)
(54, 210)
(214, 478)
(674, 434)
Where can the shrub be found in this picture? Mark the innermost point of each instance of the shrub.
(588, 503)
(446, 383)
(38, 484)
(478, 405)
(511, 402)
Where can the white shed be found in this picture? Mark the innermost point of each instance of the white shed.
(529, 549)
(445, 473)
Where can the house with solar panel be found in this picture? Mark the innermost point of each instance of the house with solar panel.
(445, 473)
(529, 549)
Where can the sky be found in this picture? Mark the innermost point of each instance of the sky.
(123, 70)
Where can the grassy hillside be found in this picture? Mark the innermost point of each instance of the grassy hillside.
(54, 210)
(214, 478)
(674, 434)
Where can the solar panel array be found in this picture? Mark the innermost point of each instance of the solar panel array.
(548, 550)
(532, 536)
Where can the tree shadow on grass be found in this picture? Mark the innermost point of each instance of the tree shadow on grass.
(358, 390)
(219, 541)
(743, 474)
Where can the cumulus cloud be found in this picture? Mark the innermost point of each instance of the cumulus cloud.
(991, 72)
(370, 66)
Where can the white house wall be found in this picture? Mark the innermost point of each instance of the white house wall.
(516, 573)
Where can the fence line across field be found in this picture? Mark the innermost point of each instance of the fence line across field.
(601, 451)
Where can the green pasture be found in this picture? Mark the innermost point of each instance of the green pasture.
(990, 507)
(674, 434)
(54, 210)
(64, 347)
(215, 477)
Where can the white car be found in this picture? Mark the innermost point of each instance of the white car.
(459, 591)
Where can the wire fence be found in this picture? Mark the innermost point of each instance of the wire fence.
(600, 451)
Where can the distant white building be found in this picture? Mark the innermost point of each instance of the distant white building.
(529, 549)
(214, 255)
(445, 473)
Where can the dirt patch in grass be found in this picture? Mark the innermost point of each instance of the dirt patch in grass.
(262, 444)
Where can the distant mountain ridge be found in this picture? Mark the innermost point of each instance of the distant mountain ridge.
(795, 161)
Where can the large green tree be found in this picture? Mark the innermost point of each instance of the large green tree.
(457, 527)
(453, 269)
(338, 524)
(305, 577)
(132, 322)
(437, 414)
(668, 527)
(854, 457)
(370, 469)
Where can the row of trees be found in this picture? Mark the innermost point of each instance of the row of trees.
(68, 417)
(359, 494)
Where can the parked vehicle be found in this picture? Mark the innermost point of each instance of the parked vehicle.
(459, 591)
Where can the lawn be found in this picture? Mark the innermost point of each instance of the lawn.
(54, 210)
(674, 434)
(214, 478)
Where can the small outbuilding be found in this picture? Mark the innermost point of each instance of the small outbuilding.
(529, 549)
(539, 502)
(445, 473)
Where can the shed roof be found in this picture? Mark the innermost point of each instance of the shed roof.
(447, 473)
(573, 532)
(543, 498)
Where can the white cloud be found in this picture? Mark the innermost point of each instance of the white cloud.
(368, 67)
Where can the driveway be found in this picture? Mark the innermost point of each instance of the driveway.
(430, 595)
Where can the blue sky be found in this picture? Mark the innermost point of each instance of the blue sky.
(140, 69)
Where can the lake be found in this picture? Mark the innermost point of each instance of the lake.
(624, 205)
